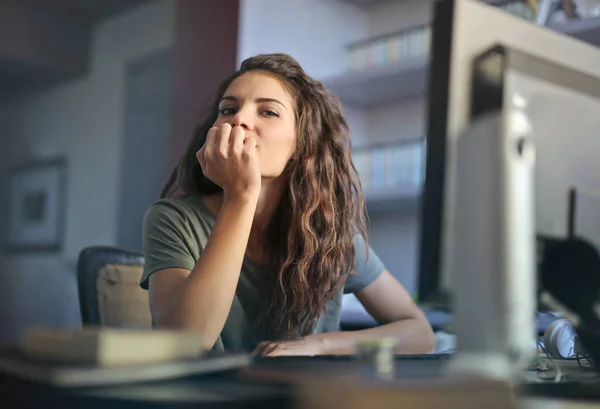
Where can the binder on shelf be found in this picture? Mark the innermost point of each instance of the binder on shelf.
(390, 48)
(388, 168)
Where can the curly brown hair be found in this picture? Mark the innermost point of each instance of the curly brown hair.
(311, 235)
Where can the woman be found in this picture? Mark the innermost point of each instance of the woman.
(260, 228)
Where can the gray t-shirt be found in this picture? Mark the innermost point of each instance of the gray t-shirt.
(176, 231)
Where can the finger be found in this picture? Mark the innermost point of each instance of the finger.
(238, 134)
(224, 135)
(200, 155)
(265, 348)
(211, 136)
(271, 350)
(260, 347)
(250, 145)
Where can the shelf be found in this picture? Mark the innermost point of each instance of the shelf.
(390, 83)
(392, 199)
(366, 4)
(408, 79)
(586, 29)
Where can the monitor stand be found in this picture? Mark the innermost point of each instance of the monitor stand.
(493, 246)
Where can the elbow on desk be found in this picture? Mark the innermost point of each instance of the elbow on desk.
(427, 345)
(422, 339)
(206, 342)
(416, 338)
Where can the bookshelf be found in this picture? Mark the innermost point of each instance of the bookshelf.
(381, 71)
(384, 69)
(404, 198)
(365, 4)
(391, 175)
(392, 82)
(406, 78)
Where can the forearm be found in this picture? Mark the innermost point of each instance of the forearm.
(203, 301)
(413, 336)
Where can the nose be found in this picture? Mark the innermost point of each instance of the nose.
(241, 118)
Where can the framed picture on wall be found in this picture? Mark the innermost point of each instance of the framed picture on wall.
(36, 193)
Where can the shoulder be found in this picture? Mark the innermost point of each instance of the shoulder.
(183, 212)
(175, 230)
(182, 205)
(367, 266)
(182, 221)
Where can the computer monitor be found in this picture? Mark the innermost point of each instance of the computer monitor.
(462, 31)
(584, 214)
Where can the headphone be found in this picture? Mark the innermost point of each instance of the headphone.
(559, 339)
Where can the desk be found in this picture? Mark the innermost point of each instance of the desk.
(219, 392)
(235, 389)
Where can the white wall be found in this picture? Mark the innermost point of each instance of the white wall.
(395, 122)
(84, 120)
(145, 143)
(314, 32)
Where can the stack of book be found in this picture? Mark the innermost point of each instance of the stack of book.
(109, 356)
(400, 46)
(390, 166)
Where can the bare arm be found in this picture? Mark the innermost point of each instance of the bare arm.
(200, 300)
(392, 306)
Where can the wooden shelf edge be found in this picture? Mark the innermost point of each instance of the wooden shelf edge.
(367, 4)
(380, 84)
(392, 199)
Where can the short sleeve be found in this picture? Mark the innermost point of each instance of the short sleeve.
(166, 240)
(366, 269)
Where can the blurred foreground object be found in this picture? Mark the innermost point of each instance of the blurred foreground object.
(449, 392)
(111, 346)
(107, 356)
(377, 356)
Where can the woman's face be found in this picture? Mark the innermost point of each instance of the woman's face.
(260, 104)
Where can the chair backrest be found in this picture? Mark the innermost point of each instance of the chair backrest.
(108, 281)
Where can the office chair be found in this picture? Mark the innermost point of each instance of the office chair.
(108, 282)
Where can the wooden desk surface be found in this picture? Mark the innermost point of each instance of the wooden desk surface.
(237, 391)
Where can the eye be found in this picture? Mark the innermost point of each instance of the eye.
(226, 111)
(270, 112)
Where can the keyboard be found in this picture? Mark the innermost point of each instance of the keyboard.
(291, 369)
(347, 358)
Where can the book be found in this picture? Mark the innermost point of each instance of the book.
(58, 373)
(103, 346)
